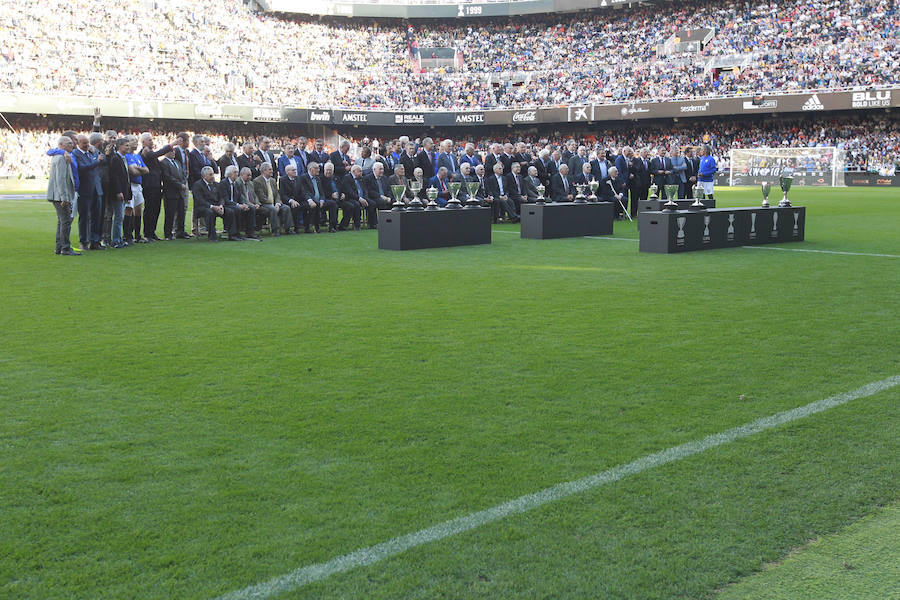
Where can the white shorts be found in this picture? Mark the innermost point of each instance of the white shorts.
(708, 187)
(137, 196)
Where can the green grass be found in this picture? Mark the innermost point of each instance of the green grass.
(183, 419)
(862, 561)
(22, 186)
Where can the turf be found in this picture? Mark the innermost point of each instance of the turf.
(862, 561)
(184, 419)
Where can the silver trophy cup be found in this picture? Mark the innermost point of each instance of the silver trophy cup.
(415, 186)
(671, 194)
(432, 195)
(766, 187)
(472, 188)
(454, 202)
(398, 192)
(580, 197)
(540, 190)
(595, 185)
(785, 187)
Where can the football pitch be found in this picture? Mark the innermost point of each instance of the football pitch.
(311, 417)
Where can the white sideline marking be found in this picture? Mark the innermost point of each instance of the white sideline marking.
(593, 237)
(824, 251)
(372, 554)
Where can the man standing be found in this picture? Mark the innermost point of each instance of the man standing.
(447, 159)
(227, 158)
(302, 156)
(516, 186)
(119, 189)
(209, 205)
(577, 160)
(341, 160)
(640, 166)
(661, 168)
(183, 160)
(693, 165)
(626, 179)
(268, 196)
(89, 191)
(426, 159)
(152, 184)
(264, 154)
(469, 156)
(561, 185)
(679, 170)
(174, 187)
(287, 158)
(318, 154)
(61, 193)
(249, 160)
(706, 172)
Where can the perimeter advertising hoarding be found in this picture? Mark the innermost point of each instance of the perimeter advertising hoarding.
(871, 179)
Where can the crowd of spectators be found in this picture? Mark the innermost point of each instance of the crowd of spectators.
(870, 143)
(220, 51)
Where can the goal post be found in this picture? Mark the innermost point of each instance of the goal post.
(821, 166)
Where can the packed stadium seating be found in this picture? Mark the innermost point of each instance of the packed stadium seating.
(220, 51)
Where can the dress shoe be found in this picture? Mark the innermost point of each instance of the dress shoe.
(56, 251)
(306, 230)
(317, 230)
(96, 246)
(341, 228)
(154, 238)
(169, 238)
(214, 239)
(253, 237)
(141, 241)
(70, 252)
(332, 230)
(235, 239)
(276, 234)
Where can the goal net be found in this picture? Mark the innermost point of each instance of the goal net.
(808, 166)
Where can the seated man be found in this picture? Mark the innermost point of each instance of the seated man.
(439, 182)
(331, 194)
(516, 185)
(499, 188)
(613, 191)
(399, 178)
(353, 198)
(247, 196)
(379, 191)
(531, 183)
(291, 194)
(481, 194)
(230, 192)
(266, 190)
(312, 198)
(209, 205)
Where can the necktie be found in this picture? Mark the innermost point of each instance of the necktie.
(518, 184)
(269, 192)
(359, 192)
(231, 191)
(443, 187)
(315, 189)
(380, 189)
(565, 184)
(500, 181)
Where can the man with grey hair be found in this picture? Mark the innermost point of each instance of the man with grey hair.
(426, 159)
(209, 204)
(229, 194)
(61, 193)
(89, 191)
(228, 157)
(152, 184)
(246, 195)
(266, 190)
(447, 158)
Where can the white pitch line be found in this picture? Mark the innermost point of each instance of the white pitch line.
(824, 251)
(593, 237)
(373, 554)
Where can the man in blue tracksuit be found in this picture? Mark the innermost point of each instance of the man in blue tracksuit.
(707, 171)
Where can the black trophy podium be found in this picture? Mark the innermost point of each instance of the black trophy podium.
(436, 228)
(687, 230)
(566, 219)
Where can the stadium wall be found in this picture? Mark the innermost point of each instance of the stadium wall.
(436, 10)
(769, 105)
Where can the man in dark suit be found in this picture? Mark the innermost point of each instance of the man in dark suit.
(229, 157)
(210, 205)
(531, 183)
(119, 189)
(232, 194)
(613, 190)
(341, 160)
(493, 157)
(640, 167)
(447, 159)
(544, 167)
(152, 185)
(600, 169)
(89, 192)
(399, 178)
(584, 176)
(318, 154)
(578, 159)
(522, 156)
(265, 154)
(499, 188)
(379, 193)
(440, 183)
(693, 166)
(196, 161)
(174, 185)
(292, 196)
(561, 189)
(302, 156)
(353, 198)
(182, 158)
(426, 159)
(660, 169)
(249, 160)
(408, 158)
(247, 197)
(516, 186)
(625, 177)
(314, 198)
(568, 151)
(331, 190)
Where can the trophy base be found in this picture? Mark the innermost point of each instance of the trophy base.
(416, 204)
(473, 203)
(697, 205)
(580, 200)
(785, 203)
(452, 205)
(592, 198)
(653, 197)
(432, 205)
(398, 206)
(670, 205)
(765, 204)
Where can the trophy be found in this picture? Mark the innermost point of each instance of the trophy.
(432, 194)
(595, 185)
(398, 191)
(671, 194)
(579, 197)
(654, 192)
(699, 196)
(454, 191)
(766, 186)
(540, 190)
(415, 186)
(785, 187)
(472, 187)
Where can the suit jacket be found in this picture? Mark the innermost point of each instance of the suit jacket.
(119, 181)
(575, 164)
(517, 192)
(271, 159)
(196, 161)
(204, 197)
(153, 179)
(61, 185)
(426, 161)
(182, 158)
(247, 161)
(228, 193)
(659, 163)
(396, 180)
(283, 161)
(473, 160)
(289, 189)
(88, 175)
(531, 192)
(522, 157)
(443, 188)
(641, 173)
(319, 157)
(330, 186)
(693, 167)
(605, 191)
(348, 188)
(545, 172)
(372, 186)
(409, 164)
(172, 178)
(448, 161)
(246, 192)
(624, 167)
(338, 160)
(262, 192)
(224, 162)
(308, 190)
(557, 191)
(600, 170)
(492, 187)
